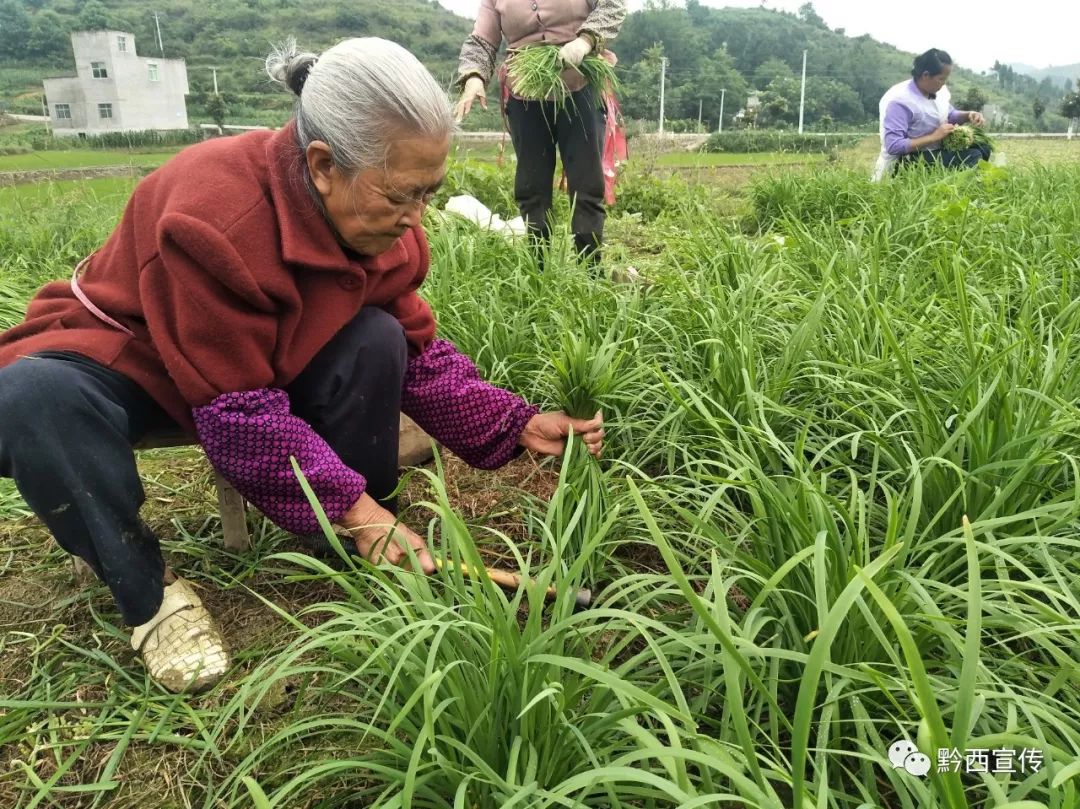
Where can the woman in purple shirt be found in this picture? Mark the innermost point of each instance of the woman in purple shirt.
(916, 116)
(537, 128)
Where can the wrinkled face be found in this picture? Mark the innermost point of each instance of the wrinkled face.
(931, 84)
(373, 209)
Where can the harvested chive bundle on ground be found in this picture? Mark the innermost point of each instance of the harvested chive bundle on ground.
(536, 73)
(964, 137)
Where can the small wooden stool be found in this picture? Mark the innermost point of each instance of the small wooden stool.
(230, 501)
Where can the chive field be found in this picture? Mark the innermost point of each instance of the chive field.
(839, 506)
(78, 159)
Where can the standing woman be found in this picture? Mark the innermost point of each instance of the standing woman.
(580, 27)
(916, 116)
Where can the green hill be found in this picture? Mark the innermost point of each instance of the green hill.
(1064, 76)
(709, 50)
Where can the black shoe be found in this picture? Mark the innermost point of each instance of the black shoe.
(588, 252)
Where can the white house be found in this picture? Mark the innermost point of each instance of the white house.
(116, 90)
(748, 114)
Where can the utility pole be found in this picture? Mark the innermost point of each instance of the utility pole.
(723, 92)
(157, 24)
(215, 80)
(700, 102)
(802, 95)
(663, 79)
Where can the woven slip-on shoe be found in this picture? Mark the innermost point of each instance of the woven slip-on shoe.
(181, 646)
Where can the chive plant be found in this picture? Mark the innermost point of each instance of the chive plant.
(600, 74)
(843, 476)
(587, 368)
(433, 693)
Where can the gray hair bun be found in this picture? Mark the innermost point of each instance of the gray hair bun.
(289, 67)
(361, 96)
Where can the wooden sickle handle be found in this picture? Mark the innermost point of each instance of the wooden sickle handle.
(512, 581)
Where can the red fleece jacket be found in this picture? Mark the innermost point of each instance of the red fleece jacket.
(229, 277)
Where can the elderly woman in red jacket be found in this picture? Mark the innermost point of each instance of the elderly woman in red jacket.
(579, 27)
(259, 292)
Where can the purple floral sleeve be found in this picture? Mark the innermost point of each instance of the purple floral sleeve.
(477, 421)
(248, 437)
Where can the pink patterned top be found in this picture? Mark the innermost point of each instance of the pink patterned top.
(529, 22)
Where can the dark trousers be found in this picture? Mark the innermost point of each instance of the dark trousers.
(536, 129)
(948, 158)
(67, 426)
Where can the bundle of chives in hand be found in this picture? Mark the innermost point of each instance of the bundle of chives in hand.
(586, 372)
(583, 375)
(964, 137)
(600, 74)
(535, 73)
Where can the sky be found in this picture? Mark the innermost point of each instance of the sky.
(1039, 33)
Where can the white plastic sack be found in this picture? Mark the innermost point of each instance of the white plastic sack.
(478, 213)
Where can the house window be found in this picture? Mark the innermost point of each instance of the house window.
(104, 110)
(99, 70)
(121, 44)
(63, 112)
(153, 68)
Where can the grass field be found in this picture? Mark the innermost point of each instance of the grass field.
(1030, 151)
(839, 507)
(80, 159)
(485, 151)
(107, 191)
(12, 131)
(698, 160)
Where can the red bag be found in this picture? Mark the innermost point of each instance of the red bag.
(615, 151)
